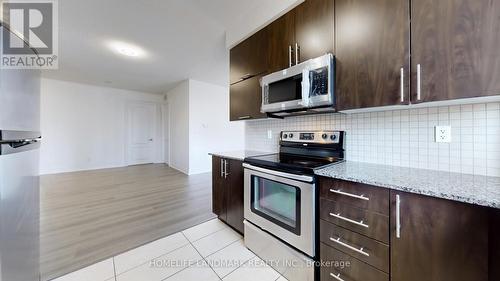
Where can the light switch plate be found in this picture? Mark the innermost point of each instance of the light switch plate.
(443, 134)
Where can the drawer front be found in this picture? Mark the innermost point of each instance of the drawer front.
(373, 225)
(368, 250)
(346, 268)
(375, 199)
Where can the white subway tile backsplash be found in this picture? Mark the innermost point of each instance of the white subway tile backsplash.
(403, 137)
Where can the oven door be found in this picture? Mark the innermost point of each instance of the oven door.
(283, 205)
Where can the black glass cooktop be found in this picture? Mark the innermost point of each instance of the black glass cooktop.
(292, 163)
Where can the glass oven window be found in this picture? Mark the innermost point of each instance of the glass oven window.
(277, 202)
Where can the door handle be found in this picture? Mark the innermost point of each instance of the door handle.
(398, 216)
(225, 169)
(402, 82)
(419, 86)
(289, 55)
(296, 53)
(150, 139)
(362, 196)
(360, 223)
(222, 168)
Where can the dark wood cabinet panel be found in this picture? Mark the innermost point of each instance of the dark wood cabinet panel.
(377, 253)
(371, 47)
(246, 99)
(227, 191)
(249, 58)
(439, 240)
(456, 43)
(347, 268)
(373, 225)
(281, 36)
(235, 195)
(371, 198)
(218, 189)
(314, 22)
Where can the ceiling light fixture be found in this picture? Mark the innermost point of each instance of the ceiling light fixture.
(126, 49)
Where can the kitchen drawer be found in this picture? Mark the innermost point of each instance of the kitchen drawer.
(346, 267)
(366, 249)
(373, 225)
(375, 199)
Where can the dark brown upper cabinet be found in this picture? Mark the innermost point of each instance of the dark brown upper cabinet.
(456, 44)
(306, 32)
(248, 62)
(249, 58)
(314, 29)
(372, 53)
(438, 239)
(280, 42)
(246, 99)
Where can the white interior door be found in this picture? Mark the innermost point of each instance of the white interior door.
(141, 123)
(166, 134)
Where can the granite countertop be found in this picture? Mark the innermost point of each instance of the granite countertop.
(474, 189)
(239, 154)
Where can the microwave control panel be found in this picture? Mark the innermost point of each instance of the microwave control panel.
(318, 82)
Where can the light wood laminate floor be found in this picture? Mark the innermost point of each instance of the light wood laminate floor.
(90, 216)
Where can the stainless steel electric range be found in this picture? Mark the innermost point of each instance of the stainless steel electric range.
(281, 200)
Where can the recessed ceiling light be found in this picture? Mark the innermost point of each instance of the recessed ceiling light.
(126, 49)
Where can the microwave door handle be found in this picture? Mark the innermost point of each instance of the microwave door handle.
(306, 85)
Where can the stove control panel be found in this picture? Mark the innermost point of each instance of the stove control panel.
(321, 137)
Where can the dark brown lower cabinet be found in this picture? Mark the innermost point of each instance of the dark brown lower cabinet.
(227, 191)
(439, 239)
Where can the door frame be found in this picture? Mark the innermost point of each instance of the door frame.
(128, 128)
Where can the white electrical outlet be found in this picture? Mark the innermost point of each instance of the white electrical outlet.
(269, 134)
(443, 134)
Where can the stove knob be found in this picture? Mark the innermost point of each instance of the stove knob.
(324, 136)
(290, 135)
(333, 137)
(285, 136)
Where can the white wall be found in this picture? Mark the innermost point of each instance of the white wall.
(178, 108)
(209, 126)
(199, 124)
(83, 126)
(404, 137)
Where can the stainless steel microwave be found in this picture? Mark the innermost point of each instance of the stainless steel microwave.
(303, 86)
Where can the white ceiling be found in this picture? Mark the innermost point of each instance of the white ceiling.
(182, 39)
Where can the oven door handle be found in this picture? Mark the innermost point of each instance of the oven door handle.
(280, 174)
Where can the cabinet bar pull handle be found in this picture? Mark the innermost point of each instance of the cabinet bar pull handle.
(225, 169)
(296, 53)
(290, 55)
(244, 117)
(336, 276)
(222, 168)
(402, 76)
(398, 216)
(360, 223)
(419, 86)
(360, 250)
(362, 196)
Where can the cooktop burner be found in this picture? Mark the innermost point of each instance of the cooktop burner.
(303, 152)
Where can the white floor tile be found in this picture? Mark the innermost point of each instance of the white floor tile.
(162, 267)
(195, 272)
(196, 232)
(230, 258)
(254, 269)
(216, 241)
(98, 272)
(149, 251)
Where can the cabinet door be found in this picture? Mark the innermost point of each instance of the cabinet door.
(281, 37)
(249, 58)
(218, 188)
(314, 28)
(372, 45)
(245, 99)
(439, 240)
(235, 195)
(456, 43)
